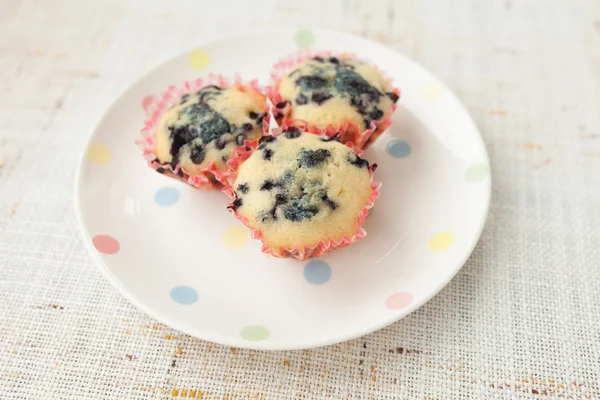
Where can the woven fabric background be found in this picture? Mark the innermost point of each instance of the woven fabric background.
(522, 318)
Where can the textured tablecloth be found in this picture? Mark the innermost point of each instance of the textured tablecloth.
(520, 320)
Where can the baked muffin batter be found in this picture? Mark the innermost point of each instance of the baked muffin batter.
(206, 127)
(328, 90)
(299, 189)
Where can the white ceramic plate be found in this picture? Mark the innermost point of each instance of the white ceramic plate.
(177, 254)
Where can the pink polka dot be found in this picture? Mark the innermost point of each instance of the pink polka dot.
(106, 244)
(398, 301)
(146, 102)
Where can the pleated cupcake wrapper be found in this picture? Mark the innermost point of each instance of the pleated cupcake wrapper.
(350, 132)
(322, 247)
(207, 177)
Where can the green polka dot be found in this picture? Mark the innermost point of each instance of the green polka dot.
(255, 333)
(305, 39)
(477, 173)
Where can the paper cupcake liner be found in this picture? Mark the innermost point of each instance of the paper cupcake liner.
(207, 177)
(322, 247)
(350, 132)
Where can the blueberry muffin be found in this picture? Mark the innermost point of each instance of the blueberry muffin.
(201, 132)
(301, 191)
(328, 91)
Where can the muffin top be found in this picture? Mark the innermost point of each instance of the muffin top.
(206, 126)
(299, 189)
(328, 90)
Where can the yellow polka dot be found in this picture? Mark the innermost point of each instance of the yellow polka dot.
(431, 92)
(198, 59)
(236, 237)
(98, 153)
(442, 241)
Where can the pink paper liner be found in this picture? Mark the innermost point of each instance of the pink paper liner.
(322, 247)
(207, 177)
(350, 132)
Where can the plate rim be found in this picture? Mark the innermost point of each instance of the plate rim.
(267, 345)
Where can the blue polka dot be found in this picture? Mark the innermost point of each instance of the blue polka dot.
(166, 196)
(398, 148)
(317, 272)
(184, 295)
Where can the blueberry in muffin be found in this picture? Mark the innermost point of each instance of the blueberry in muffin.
(206, 126)
(298, 190)
(329, 90)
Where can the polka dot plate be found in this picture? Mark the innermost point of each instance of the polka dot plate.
(177, 254)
